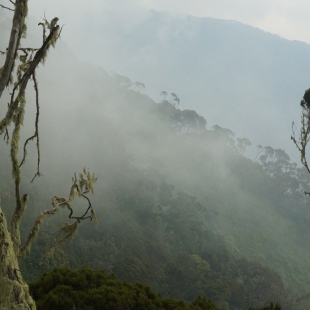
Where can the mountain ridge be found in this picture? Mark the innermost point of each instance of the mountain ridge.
(237, 67)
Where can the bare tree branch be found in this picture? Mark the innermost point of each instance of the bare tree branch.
(36, 133)
(66, 228)
(36, 226)
(6, 8)
(304, 137)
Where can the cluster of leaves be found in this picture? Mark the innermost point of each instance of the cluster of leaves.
(86, 289)
(289, 180)
(186, 121)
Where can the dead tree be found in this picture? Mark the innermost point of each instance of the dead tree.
(19, 68)
(302, 141)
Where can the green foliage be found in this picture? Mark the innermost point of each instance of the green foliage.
(88, 289)
(272, 306)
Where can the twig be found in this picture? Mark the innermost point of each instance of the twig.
(6, 136)
(60, 31)
(36, 133)
(27, 49)
(6, 8)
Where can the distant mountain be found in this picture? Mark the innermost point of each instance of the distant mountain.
(234, 75)
(178, 204)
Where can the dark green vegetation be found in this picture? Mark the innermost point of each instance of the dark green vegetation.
(85, 289)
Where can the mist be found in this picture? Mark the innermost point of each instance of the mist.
(234, 75)
(174, 172)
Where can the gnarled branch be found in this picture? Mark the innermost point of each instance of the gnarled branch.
(15, 113)
(36, 133)
(66, 230)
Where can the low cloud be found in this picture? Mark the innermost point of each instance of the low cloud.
(288, 18)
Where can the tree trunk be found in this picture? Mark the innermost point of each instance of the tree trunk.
(14, 290)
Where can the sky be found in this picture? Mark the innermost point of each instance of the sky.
(288, 18)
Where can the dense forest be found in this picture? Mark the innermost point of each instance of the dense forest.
(86, 289)
(180, 206)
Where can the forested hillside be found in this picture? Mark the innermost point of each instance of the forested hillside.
(235, 75)
(180, 208)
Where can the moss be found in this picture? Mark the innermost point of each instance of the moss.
(14, 291)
